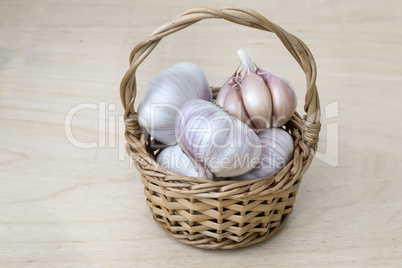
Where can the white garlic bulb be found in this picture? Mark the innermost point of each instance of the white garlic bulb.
(166, 93)
(174, 159)
(277, 152)
(217, 142)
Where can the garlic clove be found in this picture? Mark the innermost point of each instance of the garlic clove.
(217, 142)
(284, 100)
(230, 99)
(234, 105)
(277, 152)
(225, 89)
(255, 94)
(166, 93)
(174, 159)
(257, 99)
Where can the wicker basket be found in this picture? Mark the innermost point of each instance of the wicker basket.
(225, 214)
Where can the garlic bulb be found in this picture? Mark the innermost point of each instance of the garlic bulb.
(217, 142)
(277, 151)
(166, 93)
(175, 160)
(268, 99)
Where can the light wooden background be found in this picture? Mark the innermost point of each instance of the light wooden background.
(65, 206)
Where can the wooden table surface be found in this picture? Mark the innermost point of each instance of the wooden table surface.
(69, 196)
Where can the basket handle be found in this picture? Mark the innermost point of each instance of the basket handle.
(310, 124)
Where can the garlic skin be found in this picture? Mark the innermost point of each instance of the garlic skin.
(166, 93)
(284, 100)
(277, 152)
(174, 159)
(216, 142)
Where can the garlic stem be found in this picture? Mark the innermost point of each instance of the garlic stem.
(246, 59)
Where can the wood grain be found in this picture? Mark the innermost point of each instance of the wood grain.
(65, 206)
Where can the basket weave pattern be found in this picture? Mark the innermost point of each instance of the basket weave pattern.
(224, 214)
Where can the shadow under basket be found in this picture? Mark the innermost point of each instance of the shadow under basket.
(222, 214)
